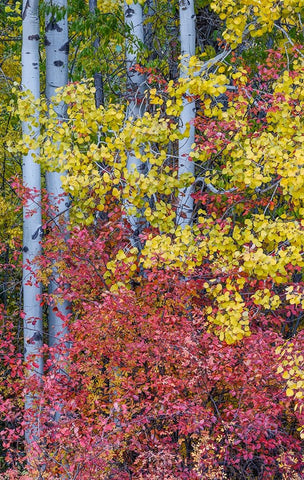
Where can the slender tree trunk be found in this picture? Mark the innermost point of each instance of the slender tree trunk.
(135, 80)
(57, 50)
(187, 40)
(32, 208)
(135, 90)
(98, 80)
(147, 27)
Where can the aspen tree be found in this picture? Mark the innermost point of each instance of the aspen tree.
(32, 209)
(185, 165)
(135, 87)
(57, 50)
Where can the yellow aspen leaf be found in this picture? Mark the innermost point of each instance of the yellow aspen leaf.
(121, 255)
(289, 392)
(116, 192)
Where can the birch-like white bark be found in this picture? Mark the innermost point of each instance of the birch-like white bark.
(32, 209)
(57, 51)
(135, 86)
(135, 80)
(185, 165)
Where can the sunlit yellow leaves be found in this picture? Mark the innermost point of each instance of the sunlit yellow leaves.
(230, 322)
(154, 98)
(273, 158)
(289, 392)
(13, 11)
(200, 84)
(265, 299)
(291, 369)
(121, 255)
(254, 17)
(10, 230)
(93, 146)
(109, 6)
(179, 252)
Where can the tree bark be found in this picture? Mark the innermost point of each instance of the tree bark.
(57, 51)
(185, 165)
(135, 92)
(32, 208)
(135, 80)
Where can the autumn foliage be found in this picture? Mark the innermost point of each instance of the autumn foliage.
(147, 389)
(183, 357)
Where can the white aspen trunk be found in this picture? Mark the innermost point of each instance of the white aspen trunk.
(185, 165)
(32, 208)
(135, 89)
(135, 80)
(57, 50)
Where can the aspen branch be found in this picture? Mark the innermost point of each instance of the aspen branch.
(212, 188)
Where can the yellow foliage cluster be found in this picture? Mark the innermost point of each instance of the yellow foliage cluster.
(10, 230)
(91, 148)
(199, 83)
(13, 22)
(255, 17)
(253, 162)
(291, 369)
(231, 318)
(141, 2)
(109, 6)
